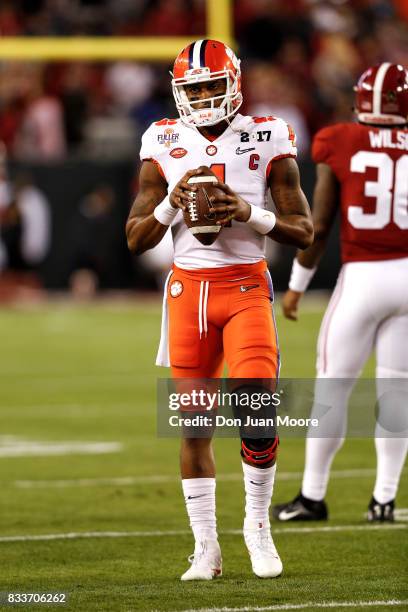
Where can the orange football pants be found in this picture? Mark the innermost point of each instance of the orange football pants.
(222, 313)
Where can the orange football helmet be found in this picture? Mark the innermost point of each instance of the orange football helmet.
(382, 95)
(205, 60)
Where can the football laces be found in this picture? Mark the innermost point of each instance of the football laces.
(192, 207)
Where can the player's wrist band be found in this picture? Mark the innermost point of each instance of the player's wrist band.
(261, 220)
(165, 212)
(300, 277)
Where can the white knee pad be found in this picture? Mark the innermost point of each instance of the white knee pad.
(330, 406)
(392, 403)
(382, 372)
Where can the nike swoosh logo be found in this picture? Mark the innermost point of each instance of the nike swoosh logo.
(247, 288)
(286, 516)
(195, 496)
(240, 151)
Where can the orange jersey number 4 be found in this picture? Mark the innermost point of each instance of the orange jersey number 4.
(219, 171)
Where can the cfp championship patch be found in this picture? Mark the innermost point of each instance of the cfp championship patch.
(176, 288)
(168, 138)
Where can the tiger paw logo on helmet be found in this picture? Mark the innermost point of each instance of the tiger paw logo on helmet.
(199, 62)
(235, 61)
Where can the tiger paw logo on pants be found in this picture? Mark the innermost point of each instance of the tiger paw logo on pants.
(176, 288)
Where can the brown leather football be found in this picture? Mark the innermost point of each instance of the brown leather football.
(200, 216)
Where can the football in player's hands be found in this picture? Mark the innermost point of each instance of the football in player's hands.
(200, 215)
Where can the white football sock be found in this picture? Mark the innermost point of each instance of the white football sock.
(330, 408)
(258, 493)
(199, 495)
(391, 453)
(392, 417)
(320, 453)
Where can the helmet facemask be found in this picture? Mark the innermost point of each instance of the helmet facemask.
(231, 100)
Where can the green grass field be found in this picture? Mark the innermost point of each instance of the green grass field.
(82, 375)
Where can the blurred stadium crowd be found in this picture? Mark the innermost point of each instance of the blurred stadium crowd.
(300, 61)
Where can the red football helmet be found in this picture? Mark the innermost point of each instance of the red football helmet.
(382, 95)
(205, 60)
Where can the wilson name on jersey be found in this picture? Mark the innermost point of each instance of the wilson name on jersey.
(371, 165)
(241, 157)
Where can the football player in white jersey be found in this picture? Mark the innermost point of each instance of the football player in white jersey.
(362, 169)
(217, 301)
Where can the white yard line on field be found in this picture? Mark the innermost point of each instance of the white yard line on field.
(38, 448)
(158, 479)
(147, 534)
(306, 605)
(401, 514)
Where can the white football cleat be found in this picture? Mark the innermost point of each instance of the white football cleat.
(265, 560)
(206, 562)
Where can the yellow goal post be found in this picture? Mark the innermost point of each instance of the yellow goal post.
(110, 48)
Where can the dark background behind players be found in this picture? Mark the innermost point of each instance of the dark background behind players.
(64, 113)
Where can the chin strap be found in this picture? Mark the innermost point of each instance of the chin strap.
(235, 130)
(260, 455)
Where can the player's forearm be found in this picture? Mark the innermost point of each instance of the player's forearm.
(325, 205)
(144, 233)
(293, 229)
(303, 269)
(294, 220)
(310, 257)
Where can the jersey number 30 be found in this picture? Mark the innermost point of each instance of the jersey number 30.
(391, 204)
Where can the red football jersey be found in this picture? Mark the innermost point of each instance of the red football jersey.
(371, 165)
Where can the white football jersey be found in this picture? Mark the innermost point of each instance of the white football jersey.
(241, 158)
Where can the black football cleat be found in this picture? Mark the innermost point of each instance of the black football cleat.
(301, 509)
(383, 513)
